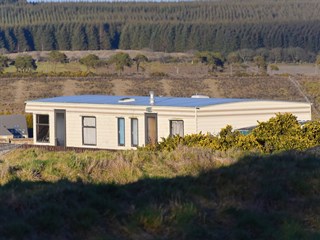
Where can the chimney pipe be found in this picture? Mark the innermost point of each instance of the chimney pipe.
(151, 97)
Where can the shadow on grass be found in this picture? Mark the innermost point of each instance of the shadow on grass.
(259, 197)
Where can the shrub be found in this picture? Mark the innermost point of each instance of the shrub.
(282, 132)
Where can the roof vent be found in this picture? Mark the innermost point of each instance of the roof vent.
(151, 97)
(199, 96)
(126, 100)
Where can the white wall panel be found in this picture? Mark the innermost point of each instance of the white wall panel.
(205, 119)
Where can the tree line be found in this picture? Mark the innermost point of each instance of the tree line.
(223, 26)
(24, 63)
(161, 37)
(19, 12)
(237, 60)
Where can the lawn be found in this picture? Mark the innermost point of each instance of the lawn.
(185, 194)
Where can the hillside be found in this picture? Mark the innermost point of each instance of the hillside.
(168, 74)
(185, 194)
(168, 26)
(15, 91)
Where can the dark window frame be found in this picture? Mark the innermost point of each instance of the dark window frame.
(124, 131)
(84, 127)
(132, 144)
(38, 123)
(170, 123)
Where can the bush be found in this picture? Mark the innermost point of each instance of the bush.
(282, 132)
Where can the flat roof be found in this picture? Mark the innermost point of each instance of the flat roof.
(4, 131)
(16, 121)
(141, 100)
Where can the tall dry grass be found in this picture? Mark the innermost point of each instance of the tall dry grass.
(108, 167)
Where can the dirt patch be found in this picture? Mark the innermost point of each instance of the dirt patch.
(188, 87)
(94, 86)
(7, 90)
(278, 88)
(142, 87)
(213, 88)
(69, 87)
(121, 86)
(44, 88)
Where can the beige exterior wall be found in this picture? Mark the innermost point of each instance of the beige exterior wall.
(106, 129)
(205, 119)
(107, 122)
(5, 139)
(246, 114)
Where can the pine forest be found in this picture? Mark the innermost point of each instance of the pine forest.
(223, 26)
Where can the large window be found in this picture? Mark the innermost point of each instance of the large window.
(134, 132)
(89, 134)
(42, 128)
(176, 128)
(121, 132)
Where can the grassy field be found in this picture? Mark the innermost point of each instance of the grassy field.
(185, 194)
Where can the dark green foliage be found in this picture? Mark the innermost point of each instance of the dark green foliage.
(261, 63)
(90, 61)
(56, 57)
(139, 58)
(213, 59)
(79, 38)
(4, 62)
(25, 63)
(176, 26)
(64, 37)
(121, 60)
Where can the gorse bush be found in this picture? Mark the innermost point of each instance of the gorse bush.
(282, 132)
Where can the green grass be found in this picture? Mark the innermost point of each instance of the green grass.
(159, 195)
(47, 67)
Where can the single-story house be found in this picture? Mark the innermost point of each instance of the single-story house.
(13, 126)
(125, 122)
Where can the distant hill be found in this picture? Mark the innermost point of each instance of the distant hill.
(167, 26)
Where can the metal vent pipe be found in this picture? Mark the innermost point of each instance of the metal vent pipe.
(151, 97)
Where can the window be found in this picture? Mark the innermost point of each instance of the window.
(134, 132)
(42, 128)
(121, 132)
(89, 135)
(176, 128)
